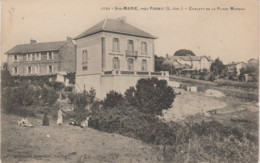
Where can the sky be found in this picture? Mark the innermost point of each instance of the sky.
(230, 35)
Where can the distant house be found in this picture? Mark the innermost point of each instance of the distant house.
(235, 66)
(45, 58)
(114, 55)
(189, 61)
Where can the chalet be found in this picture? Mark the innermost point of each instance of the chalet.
(189, 61)
(114, 55)
(235, 66)
(45, 58)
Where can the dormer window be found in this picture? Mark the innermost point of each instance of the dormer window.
(143, 48)
(115, 44)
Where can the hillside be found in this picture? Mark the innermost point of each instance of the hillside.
(68, 144)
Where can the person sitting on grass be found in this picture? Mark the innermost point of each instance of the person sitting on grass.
(45, 121)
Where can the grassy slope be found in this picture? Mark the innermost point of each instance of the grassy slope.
(68, 144)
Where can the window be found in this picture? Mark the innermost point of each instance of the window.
(49, 55)
(36, 69)
(84, 56)
(15, 57)
(115, 44)
(85, 60)
(144, 65)
(29, 70)
(50, 69)
(143, 48)
(29, 57)
(130, 64)
(38, 56)
(33, 57)
(15, 70)
(130, 45)
(116, 63)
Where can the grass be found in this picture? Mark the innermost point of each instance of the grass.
(229, 135)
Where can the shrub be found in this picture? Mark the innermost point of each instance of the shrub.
(48, 96)
(113, 99)
(151, 95)
(130, 96)
(81, 100)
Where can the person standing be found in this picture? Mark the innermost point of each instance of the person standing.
(60, 114)
(45, 121)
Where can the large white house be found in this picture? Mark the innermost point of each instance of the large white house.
(114, 55)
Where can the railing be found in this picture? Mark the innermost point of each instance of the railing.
(146, 73)
(129, 53)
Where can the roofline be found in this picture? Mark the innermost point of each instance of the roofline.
(116, 33)
(66, 42)
(35, 51)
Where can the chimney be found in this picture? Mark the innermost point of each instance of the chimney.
(69, 38)
(122, 19)
(33, 41)
(167, 55)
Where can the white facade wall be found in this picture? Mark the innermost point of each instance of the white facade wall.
(93, 46)
(205, 64)
(196, 65)
(121, 54)
(103, 84)
(100, 60)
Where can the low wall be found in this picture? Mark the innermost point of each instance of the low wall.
(118, 81)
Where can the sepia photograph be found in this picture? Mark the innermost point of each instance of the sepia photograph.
(141, 81)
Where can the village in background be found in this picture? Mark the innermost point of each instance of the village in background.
(121, 102)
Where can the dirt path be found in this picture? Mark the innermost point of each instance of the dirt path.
(191, 103)
(68, 144)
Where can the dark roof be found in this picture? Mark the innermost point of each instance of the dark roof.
(37, 47)
(115, 26)
(184, 52)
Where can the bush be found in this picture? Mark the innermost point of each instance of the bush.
(113, 99)
(209, 140)
(81, 100)
(130, 96)
(151, 95)
(16, 98)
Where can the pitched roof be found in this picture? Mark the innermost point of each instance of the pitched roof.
(116, 26)
(37, 47)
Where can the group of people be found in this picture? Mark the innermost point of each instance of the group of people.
(60, 114)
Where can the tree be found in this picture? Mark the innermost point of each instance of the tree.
(184, 52)
(151, 95)
(217, 67)
(161, 66)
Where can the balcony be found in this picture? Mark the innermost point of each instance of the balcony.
(136, 73)
(129, 53)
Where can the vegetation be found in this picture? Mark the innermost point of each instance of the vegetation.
(160, 66)
(151, 96)
(184, 52)
(217, 67)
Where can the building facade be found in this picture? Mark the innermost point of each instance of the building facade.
(191, 62)
(114, 55)
(42, 58)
